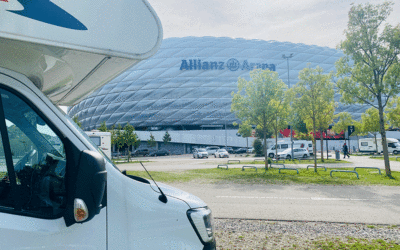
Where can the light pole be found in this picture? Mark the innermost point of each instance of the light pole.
(287, 58)
(226, 133)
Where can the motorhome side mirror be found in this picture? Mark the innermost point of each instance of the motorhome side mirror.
(86, 187)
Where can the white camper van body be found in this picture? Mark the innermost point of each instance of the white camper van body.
(102, 140)
(67, 194)
(286, 144)
(368, 145)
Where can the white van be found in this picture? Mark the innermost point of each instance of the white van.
(57, 190)
(102, 140)
(286, 144)
(368, 145)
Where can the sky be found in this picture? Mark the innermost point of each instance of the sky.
(312, 22)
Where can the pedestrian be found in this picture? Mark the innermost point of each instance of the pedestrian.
(345, 151)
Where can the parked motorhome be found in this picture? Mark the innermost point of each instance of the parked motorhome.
(62, 193)
(368, 145)
(102, 140)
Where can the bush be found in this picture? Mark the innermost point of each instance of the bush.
(258, 148)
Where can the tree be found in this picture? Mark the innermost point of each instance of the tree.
(152, 141)
(370, 123)
(75, 119)
(393, 112)
(245, 130)
(103, 127)
(344, 120)
(313, 101)
(130, 137)
(280, 120)
(370, 70)
(258, 100)
(166, 138)
(258, 147)
(119, 138)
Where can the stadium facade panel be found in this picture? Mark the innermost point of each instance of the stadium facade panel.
(188, 83)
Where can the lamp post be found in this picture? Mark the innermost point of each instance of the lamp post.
(287, 58)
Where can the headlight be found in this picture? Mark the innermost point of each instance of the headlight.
(202, 222)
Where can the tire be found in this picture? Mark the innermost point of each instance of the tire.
(395, 152)
(271, 155)
(304, 156)
(288, 157)
(215, 156)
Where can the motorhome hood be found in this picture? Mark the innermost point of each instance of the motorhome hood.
(68, 49)
(192, 200)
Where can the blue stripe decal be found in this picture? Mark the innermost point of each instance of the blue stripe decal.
(47, 12)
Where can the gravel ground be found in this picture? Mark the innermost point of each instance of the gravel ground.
(261, 234)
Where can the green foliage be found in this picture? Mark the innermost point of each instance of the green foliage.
(369, 73)
(356, 244)
(103, 127)
(245, 129)
(370, 121)
(298, 124)
(152, 141)
(393, 112)
(257, 145)
(166, 138)
(344, 121)
(119, 139)
(313, 100)
(259, 100)
(130, 138)
(75, 119)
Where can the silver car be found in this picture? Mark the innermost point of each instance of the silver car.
(200, 153)
(297, 153)
(221, 153)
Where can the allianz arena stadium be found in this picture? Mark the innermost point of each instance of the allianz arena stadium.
(187, 84)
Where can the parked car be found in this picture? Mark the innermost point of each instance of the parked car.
(211, 150)
(240, 151)
(116, 154)
(139, 152)
(221, 153)
(229, 149)
(200, 153)
(161, 152)
(297, 152)
(250, 150)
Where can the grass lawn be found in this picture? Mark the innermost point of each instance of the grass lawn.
(250, 176)
(391, 158)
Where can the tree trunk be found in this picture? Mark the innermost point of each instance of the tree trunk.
(321, 137)
(383, 135)
(315, 147)
(265, 150)
(276, 144)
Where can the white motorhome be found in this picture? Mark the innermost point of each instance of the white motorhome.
(57, 191)
(368, 145)
(286, 144)
(102, 140)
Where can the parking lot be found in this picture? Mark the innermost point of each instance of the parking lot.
(350, 204)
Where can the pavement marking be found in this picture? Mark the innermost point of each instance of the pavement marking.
(293, 198)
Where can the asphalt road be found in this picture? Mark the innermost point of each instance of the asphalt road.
(352, 204)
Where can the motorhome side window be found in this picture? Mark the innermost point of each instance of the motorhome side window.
(32, 159)
(364, 143)
(284, 146)
(96, 140)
